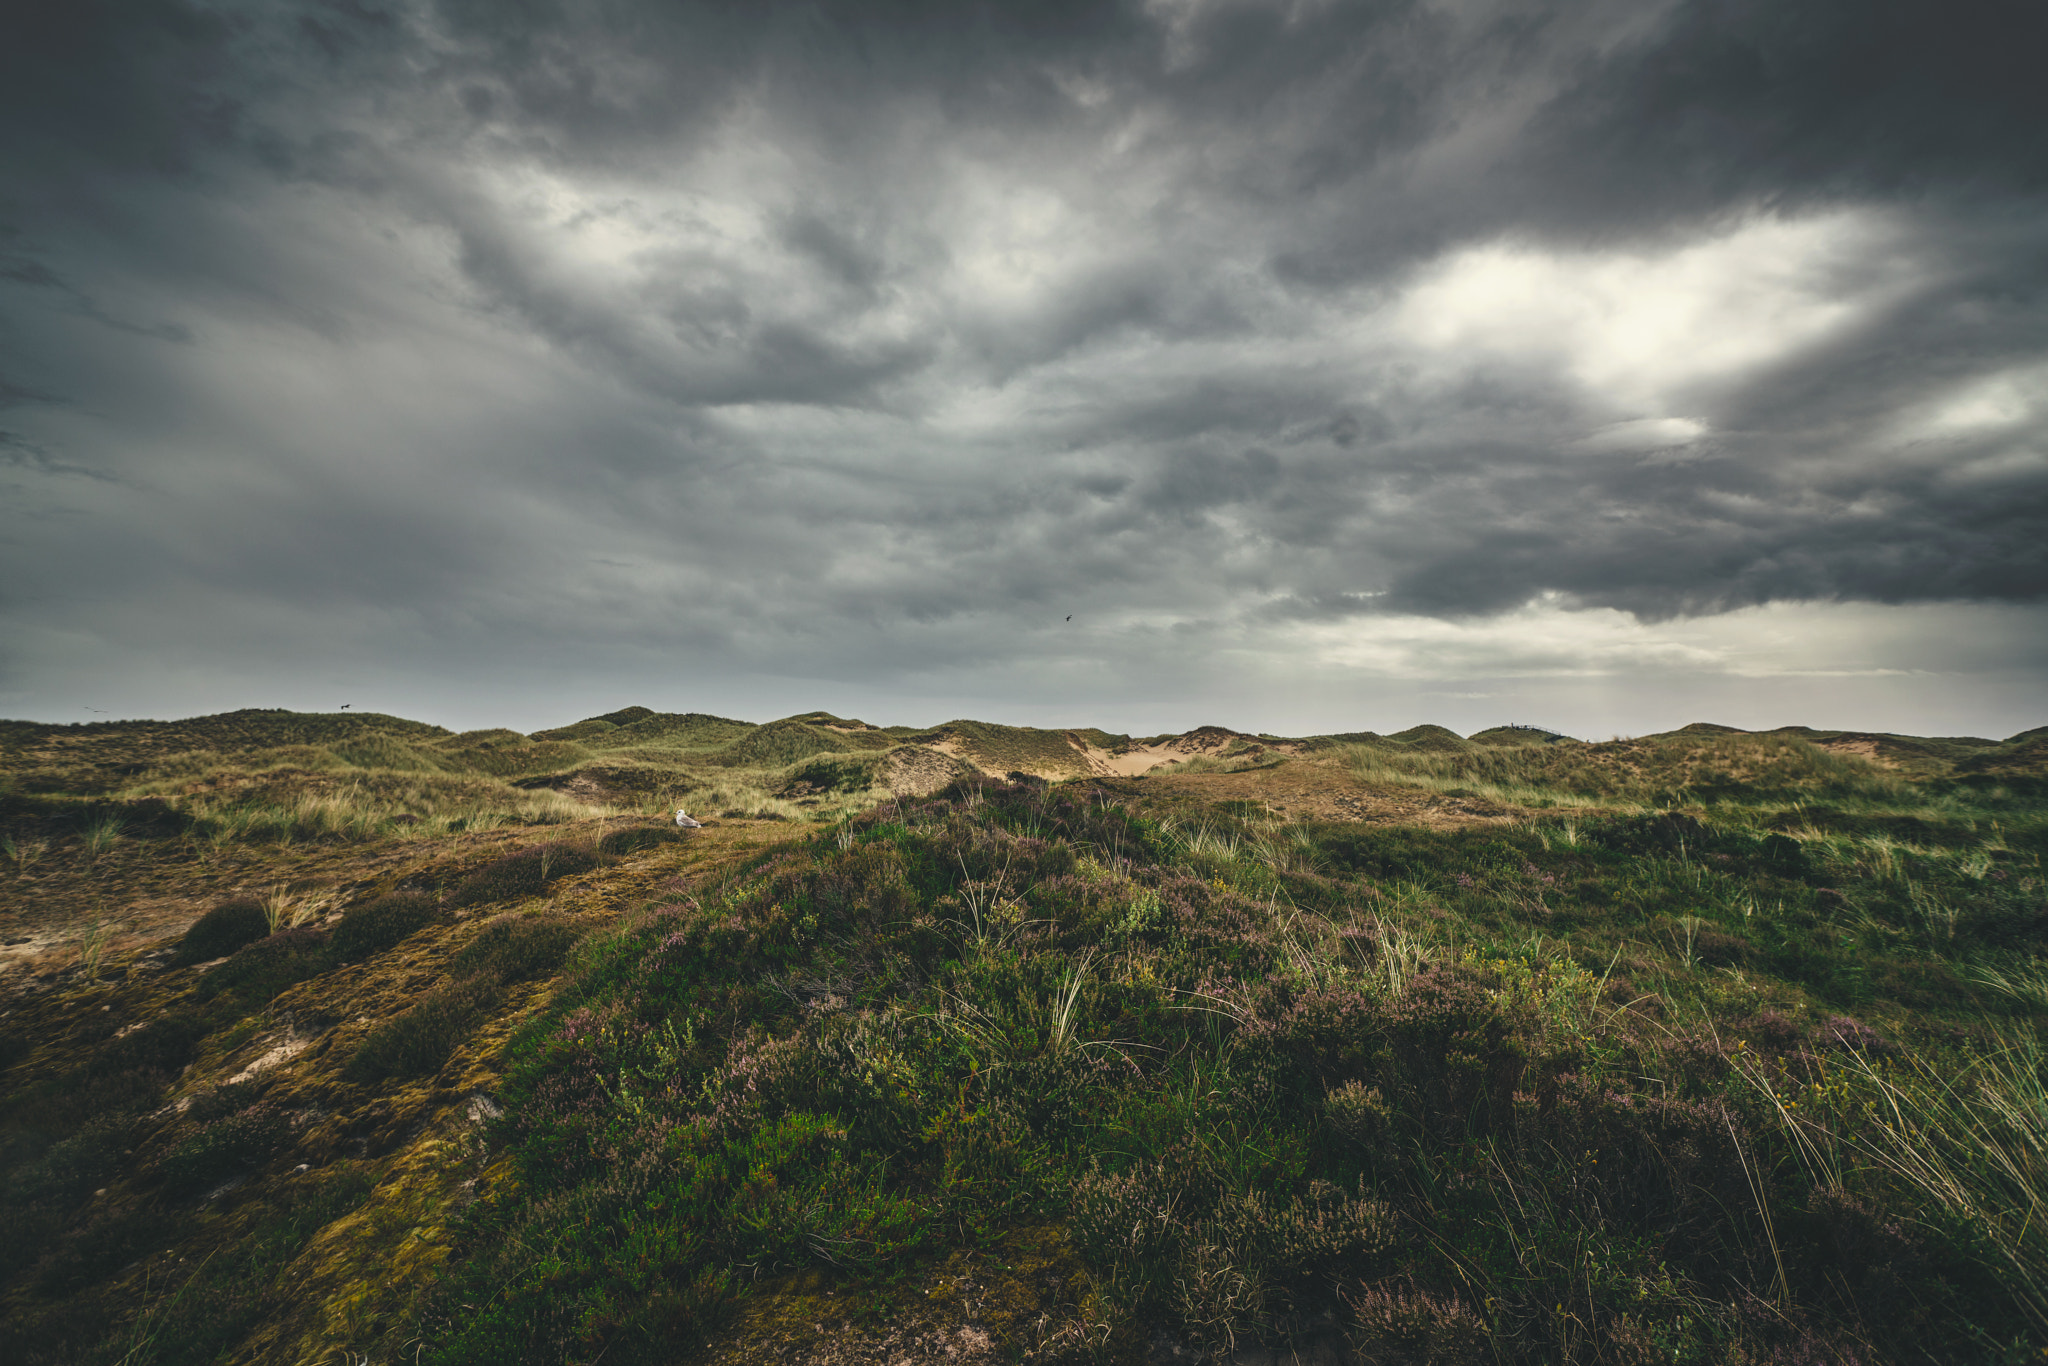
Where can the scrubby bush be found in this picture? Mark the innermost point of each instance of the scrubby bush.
(636, 838)
(422, 1038)
(222, 930)
(259, 971)
(512, 948)
(379, 924)
(224, 1148)
(71, 1167)
(105, 1245)
(526, 873)
(1400, 1325)
(164, 1044)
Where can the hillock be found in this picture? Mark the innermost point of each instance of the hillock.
(379, 1042)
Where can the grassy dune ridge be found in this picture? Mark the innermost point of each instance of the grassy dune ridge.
(1705, 1047)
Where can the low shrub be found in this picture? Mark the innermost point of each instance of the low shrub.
(105, 1245)
(420, 1040)
(1399, 1325)
(513, 948)
(223, 1149)
(378, 925)
(259, 971)
(71, 1167)
(526, 873)
(221, 931)
(165, 1044)
(636, 838)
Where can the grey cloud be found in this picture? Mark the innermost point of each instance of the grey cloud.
(847, 338)
(1731, 101)
(21, 453)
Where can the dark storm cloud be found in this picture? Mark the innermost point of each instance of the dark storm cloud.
(1738, 99)
(770, 329)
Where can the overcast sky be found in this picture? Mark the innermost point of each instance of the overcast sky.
(1333, 365)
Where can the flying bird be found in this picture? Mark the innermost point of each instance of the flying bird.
(344, 706)
(1069, 618)
(683, 820)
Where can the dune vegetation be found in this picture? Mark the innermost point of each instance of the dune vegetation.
(353, 1039)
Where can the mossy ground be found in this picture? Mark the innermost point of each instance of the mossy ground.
(1389, 1049)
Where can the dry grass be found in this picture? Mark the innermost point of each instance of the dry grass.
(1671, 770)
(1965, 1135)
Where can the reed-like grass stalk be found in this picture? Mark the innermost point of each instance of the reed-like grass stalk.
(284, 910)
(1967, 1140)
(92, 948)
(100, 836)
(23, 852)
(2026, 981)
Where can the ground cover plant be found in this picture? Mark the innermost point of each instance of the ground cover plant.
(1706, 1047)
(1281, 1105)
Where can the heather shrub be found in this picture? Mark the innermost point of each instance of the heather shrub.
(102, 1247)
(636, 838)
(224, 1148)
(162, 1045)
(221, 931)
(525, 873)
(1359, 1113)
(421, 1040)
(380, 924)
(260, 970)
(71, 1167)
(1855, 1259)
(1397, 1324)
(513, 948)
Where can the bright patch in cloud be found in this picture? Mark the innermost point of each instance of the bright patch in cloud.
(1640, 329)
(1995, 402)
(1646, 434)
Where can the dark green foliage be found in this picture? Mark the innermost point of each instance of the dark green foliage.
(783, 742)
(512, 948)
(833, 773)
(422, 1038)
(526, 873)
(223, 1148)
(207, 1307)
(1664, 833)
(1783, 857)
(945, 1019)
(222, 930)
(164, 1044)
(637, 838)
(90, 1254)
(259, 971)
(39, 1113)
(377, 925)
(71, 1167)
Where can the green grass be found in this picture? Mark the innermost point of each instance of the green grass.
(1701, 768)
(1439, 1089)
(1718, 1048)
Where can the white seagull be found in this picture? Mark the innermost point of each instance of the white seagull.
(683, 819)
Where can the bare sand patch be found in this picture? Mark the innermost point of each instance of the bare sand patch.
(1127, 761)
